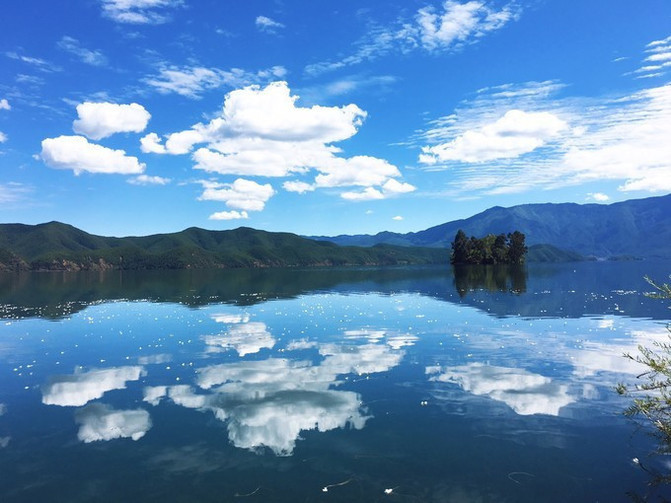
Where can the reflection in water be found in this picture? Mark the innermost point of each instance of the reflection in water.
(82, 387)
(267, 403)
(379, 361)
(595, 357)
(561, 289)
(524, 392)
(245, 338)
(4, 441)
(499, 277)
(99, 421)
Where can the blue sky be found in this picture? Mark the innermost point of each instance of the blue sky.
(130, 117)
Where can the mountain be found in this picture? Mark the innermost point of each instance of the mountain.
(58, 246)
(635, 228)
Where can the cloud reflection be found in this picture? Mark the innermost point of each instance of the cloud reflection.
(268, 403)
(245, 338)
(101, 422)
(82, 387)
(524, 392)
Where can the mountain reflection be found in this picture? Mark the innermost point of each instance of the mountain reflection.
(571, 290)
(524, 392)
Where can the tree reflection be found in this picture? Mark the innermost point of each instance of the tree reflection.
(493, 278)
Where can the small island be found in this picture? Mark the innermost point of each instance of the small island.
(491, 249)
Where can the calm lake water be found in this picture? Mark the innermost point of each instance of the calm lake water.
(417, 385)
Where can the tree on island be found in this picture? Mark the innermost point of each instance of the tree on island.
(491, 249)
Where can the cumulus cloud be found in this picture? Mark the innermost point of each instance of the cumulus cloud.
(100, 120)
(512, 135)
(263, 132)
(244, 338)
(139, 11)
(267, 24)
(88, 56)
(298, 186)
(3, 137)
(77, 154)
(148, 180)
(4, 104)
(192, 81)
(82, 387)
(242, 194)
(524, 392)
(101, 422)
(447, 28)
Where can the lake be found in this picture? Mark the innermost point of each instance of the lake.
(357, 385)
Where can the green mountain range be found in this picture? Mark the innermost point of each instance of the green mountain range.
(639, 228)
(58, 246)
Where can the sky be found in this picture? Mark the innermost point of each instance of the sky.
(136, 117)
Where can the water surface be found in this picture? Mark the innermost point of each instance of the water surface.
(325, 385)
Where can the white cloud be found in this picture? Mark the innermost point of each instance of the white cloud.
(458, 23)
(262, 132)
(390, 188)
(622, 139)
(38, 63)
(4, 104)
(368, 194)
(445, 29)
(229, 215)
(139, 11)
(3, 137)
(151, 144)
(101, 422)
(657, 60)
(148, 180)
(598, 197)
(82, 387)
(514, 134)
(267, 24)
(194, 80)
(298, 186)
(100, 120)
(393, 186)
(242, 194)
(524, 392)
(245, 338)
(88, 56)
(398, 218)
(13, 192)
(77, 154)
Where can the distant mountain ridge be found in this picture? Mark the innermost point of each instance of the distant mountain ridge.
(635, 228)
(58, 246)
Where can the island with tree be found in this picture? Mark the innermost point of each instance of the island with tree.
(491, 249)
